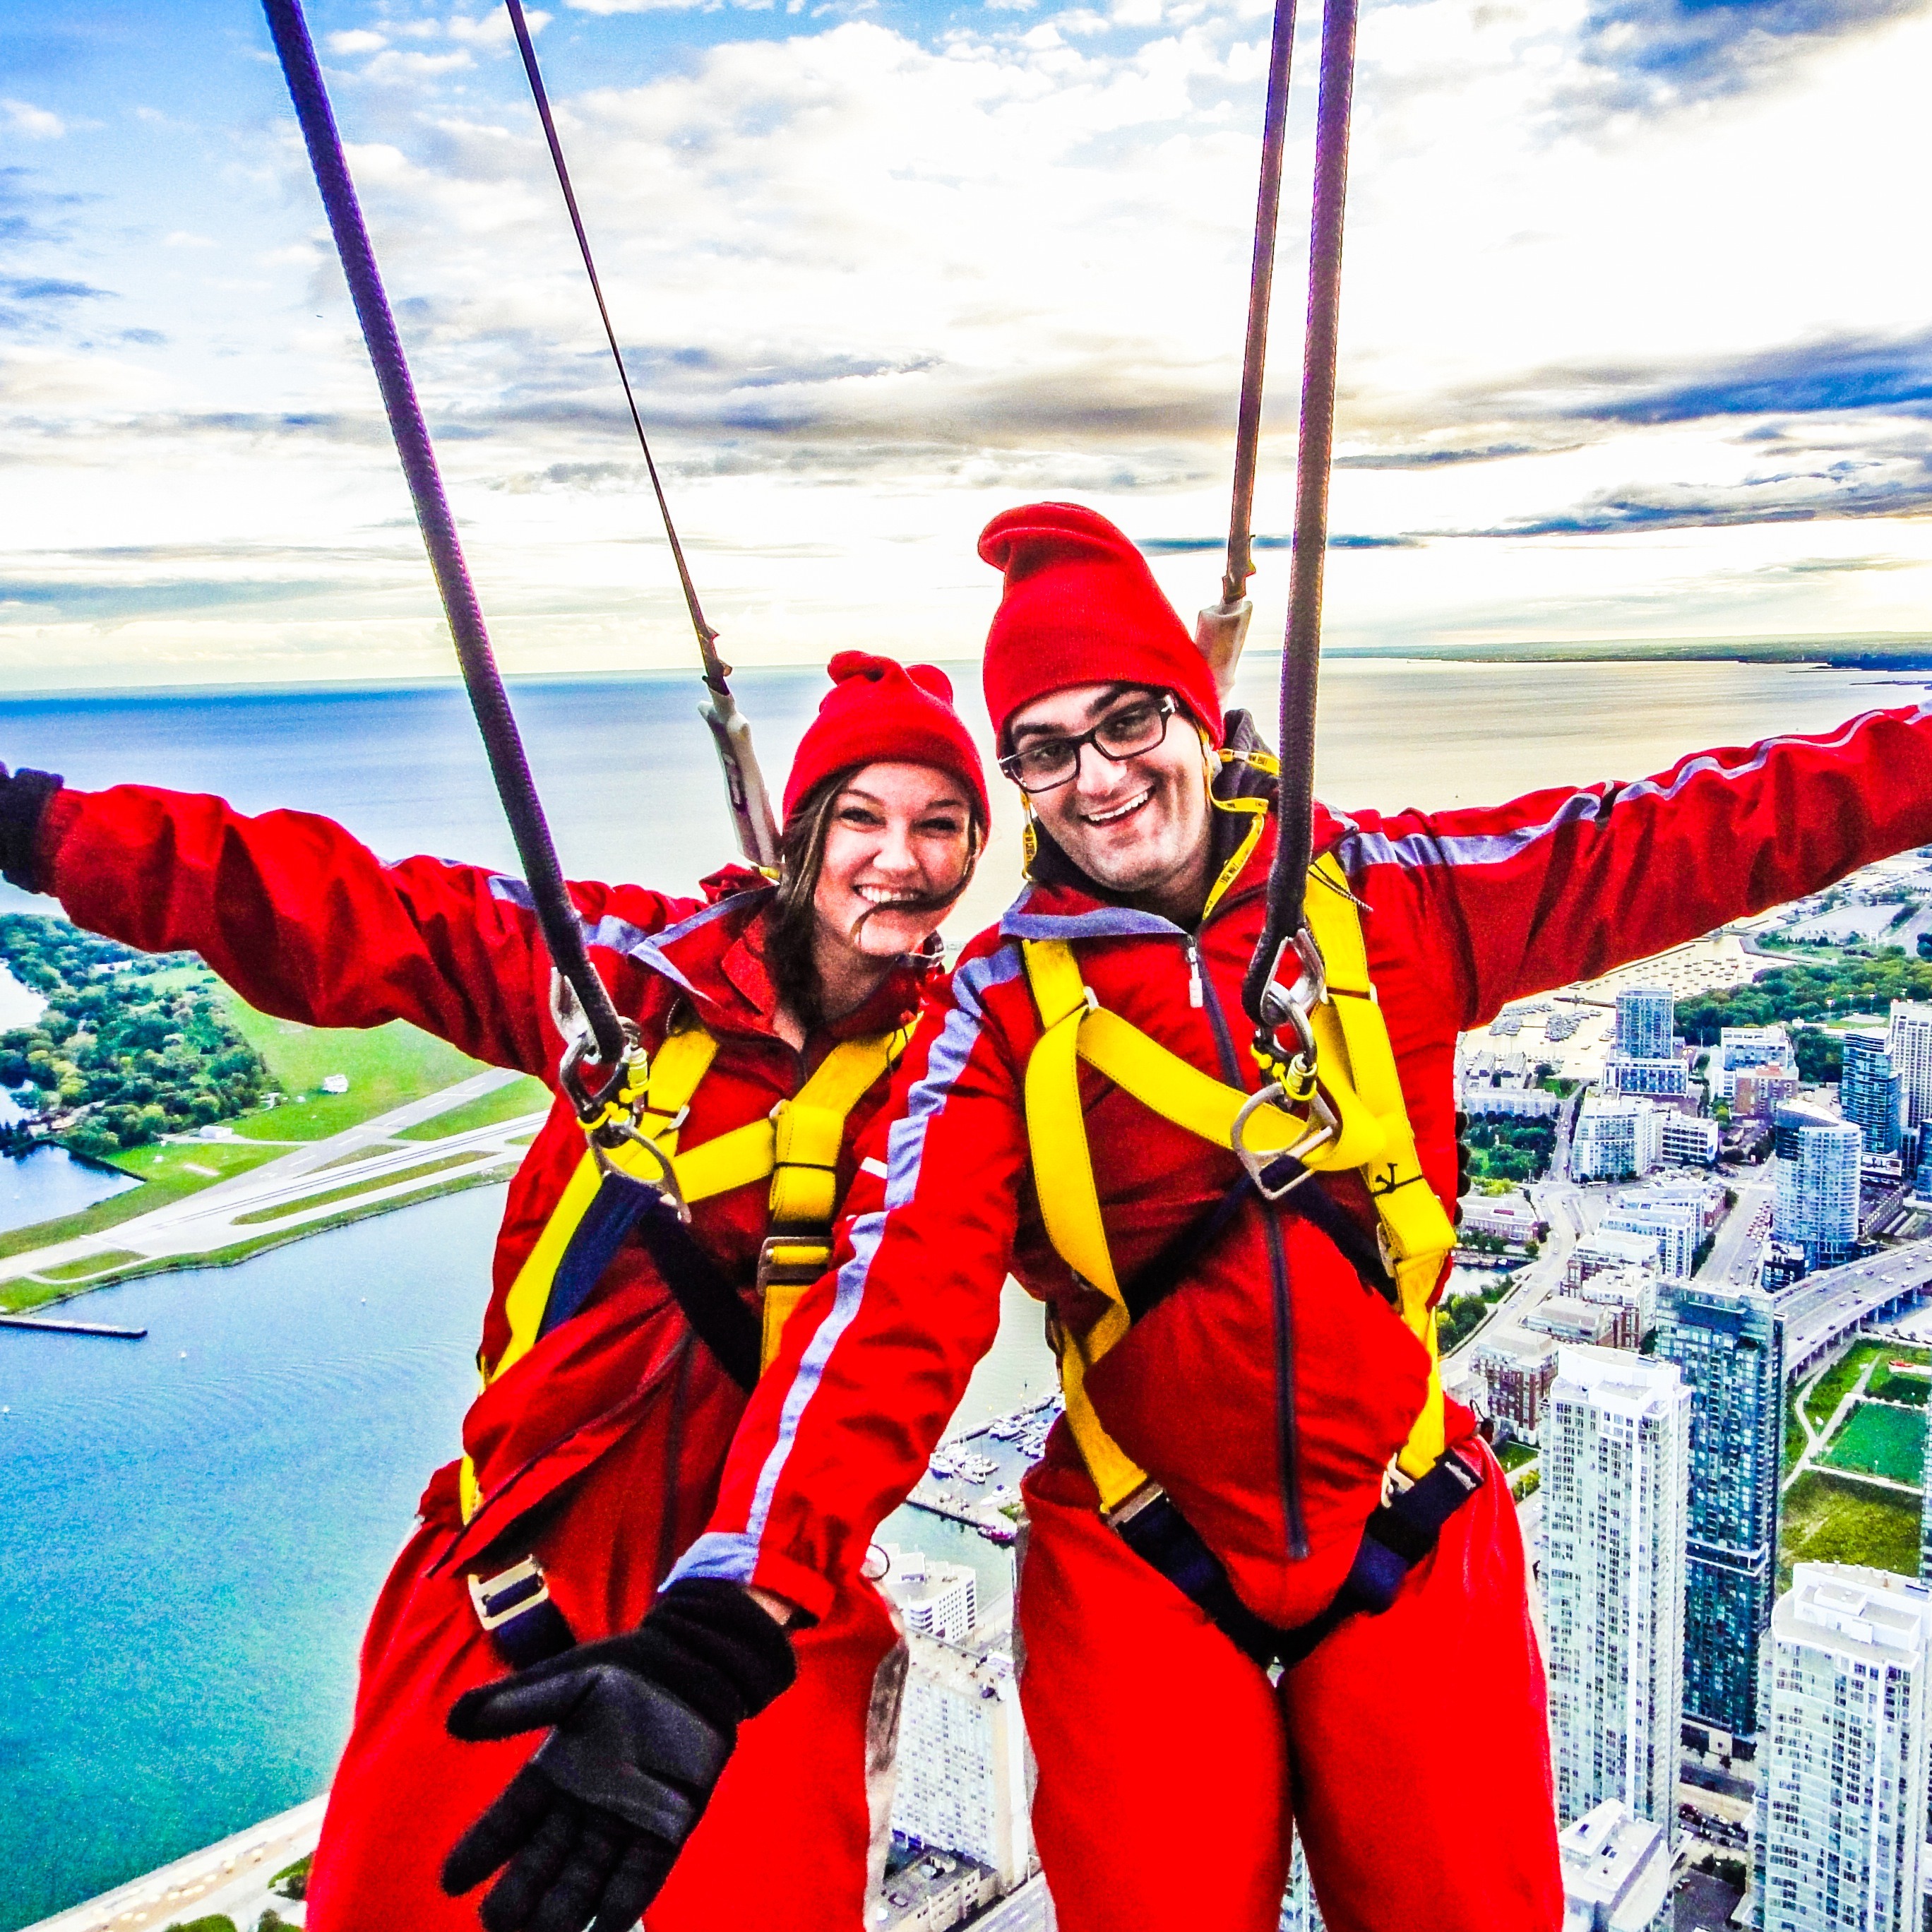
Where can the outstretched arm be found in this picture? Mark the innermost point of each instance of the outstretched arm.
(1562, 885)
(305, 922)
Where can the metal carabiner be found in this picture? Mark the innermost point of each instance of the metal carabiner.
(590, 1106)
(667, 1183)
(1324, 1123)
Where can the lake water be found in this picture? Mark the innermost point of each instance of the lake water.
(190, 1546)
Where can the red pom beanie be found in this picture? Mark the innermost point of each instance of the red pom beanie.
(1081, 607)
(878, 711)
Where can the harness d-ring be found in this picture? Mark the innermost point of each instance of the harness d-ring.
(1323, 1124)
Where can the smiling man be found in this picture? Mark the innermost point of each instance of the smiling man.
(1304, 1603)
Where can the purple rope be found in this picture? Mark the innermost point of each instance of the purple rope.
(1260, 284)
(1301, 654)
(507, 763)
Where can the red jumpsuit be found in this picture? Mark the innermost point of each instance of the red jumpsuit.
(600, 1450)
(1411, 1748)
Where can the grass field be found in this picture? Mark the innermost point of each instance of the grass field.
(527, 1096)
(1880, 1441)
(1832, 1387)
(386, 1065)
(1794, 1434)
(1886, 1385)
(1829, 1519)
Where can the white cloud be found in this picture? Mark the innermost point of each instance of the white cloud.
(183, 237)
(493, 29)
(38, 124)
(357, 40)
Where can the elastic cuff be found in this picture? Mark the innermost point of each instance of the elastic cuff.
(23, 798)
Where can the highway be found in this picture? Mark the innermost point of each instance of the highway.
(1819, 1310)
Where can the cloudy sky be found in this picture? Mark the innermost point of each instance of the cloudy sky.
(1636, 337)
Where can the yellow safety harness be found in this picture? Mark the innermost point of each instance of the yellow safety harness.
(1365, 1127)
(796, 1146)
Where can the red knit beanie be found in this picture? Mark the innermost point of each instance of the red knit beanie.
(878, 711)
(1081, 607)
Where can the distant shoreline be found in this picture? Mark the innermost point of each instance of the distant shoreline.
(1876, 651)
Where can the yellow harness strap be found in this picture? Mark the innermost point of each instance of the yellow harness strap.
(1358, 1072)
(797, 1147)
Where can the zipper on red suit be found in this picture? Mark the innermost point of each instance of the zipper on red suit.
(1201, 993)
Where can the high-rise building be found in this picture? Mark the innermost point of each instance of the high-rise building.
(1818, 1189)
(1789, 1119)
(933, 1596)
(1742, 1048)
(1925, 1527)
(1299, 1911)
(1729, 1346)
(1616, 1873)
(962, 1759)
(1517, 1374)
(1677, 1226)
(1615, 1136)
(1869, 1091)
(1616, 1464)
(1646, 1019)
(1908, 1044)
(1842, 1807)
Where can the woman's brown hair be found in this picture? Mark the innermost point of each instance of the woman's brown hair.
(793, 922)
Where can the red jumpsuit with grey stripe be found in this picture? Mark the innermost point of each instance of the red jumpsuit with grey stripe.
(599, 1451)
(1412, 1748)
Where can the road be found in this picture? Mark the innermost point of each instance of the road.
(365, 1159)
(1733, 1259)
(230, 1878)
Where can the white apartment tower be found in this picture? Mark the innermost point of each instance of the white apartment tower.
(1818, 1191)
(962, 1758)
(1842, 1812)
(1616, 1462)
(936, 1598)
(1908, 1040)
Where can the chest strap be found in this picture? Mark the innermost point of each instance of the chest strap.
(646, 1184)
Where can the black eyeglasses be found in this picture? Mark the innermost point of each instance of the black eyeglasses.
(1047, 764)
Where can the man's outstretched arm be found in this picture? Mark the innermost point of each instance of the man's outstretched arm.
(876, 1358)
(1564, 885)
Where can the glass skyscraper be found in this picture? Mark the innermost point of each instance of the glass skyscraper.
(1729, 1346)
(1868, 1091)
(1616, 1472)
(1646, 1018)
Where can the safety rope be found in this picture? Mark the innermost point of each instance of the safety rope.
(508, 764)
(1302, 651)
(1261, 285)
(744, 783)
(715, 670)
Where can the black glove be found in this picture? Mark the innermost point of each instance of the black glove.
(23, 797)
(641, 1727)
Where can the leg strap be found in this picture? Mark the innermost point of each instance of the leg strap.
(1400, 1534)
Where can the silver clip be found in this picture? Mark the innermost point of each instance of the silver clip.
(666, 1183)
(1323, 1124)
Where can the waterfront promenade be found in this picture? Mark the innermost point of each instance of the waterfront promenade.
(230, 1878)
